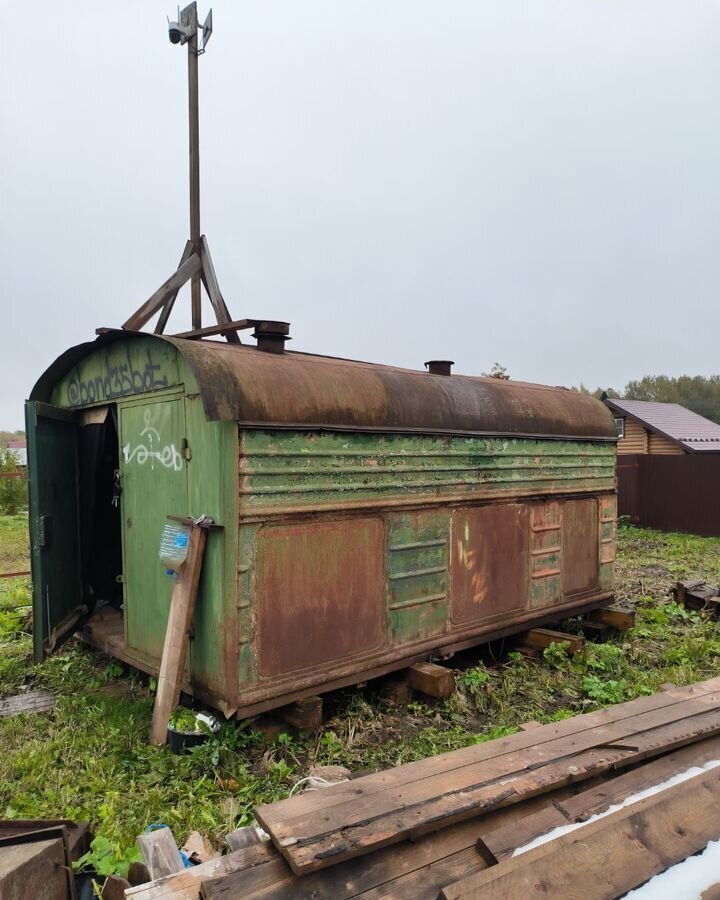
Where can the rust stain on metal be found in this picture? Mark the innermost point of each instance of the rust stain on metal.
(319, 590)
(580, 545)
(489, 568)
(300, 390)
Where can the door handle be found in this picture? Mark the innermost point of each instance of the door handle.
(44, 532)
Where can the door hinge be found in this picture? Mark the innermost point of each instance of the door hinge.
(185, 449)
(120, 579)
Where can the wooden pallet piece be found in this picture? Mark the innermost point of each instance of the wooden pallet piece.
(498, 844)
(185, 885)
(432, 680)
(618, 617)
(365, 823)
(542, 638)
(305, 714)
(177, 635)
(622, 850)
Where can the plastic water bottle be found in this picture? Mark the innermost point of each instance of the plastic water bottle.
(174, 545)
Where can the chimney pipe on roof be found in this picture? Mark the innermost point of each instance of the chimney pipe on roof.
(271, 336)
(439, 366)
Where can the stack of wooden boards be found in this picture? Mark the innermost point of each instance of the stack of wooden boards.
(446, 827)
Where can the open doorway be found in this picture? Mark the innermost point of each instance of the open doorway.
(100, 531)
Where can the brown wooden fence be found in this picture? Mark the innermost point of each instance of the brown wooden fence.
(672, 493)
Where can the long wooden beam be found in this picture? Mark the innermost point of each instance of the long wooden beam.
(189, 268)
(239, 325)
(170, 302)
(212, 287)
(177, 635)
(610, 857)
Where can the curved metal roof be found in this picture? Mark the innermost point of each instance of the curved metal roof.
(300, 390)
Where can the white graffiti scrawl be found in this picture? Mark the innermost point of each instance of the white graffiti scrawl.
(151, 450)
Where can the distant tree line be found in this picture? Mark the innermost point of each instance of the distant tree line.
(699, 393)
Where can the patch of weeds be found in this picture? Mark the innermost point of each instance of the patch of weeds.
(556, 655)
(474, 678)
(605, 691)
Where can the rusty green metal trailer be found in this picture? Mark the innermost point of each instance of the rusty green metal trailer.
(371, 516)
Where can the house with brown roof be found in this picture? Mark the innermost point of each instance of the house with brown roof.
(662, 428)
(668, 466)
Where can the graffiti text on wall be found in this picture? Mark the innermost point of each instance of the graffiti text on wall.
(116, 380)
(151, 451)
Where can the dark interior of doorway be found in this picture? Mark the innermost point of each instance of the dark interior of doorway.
(101, 537)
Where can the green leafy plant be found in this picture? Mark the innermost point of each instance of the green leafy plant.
(475, 679)
(556, 655)
(605, 691)
(13, 491)
(184, 720)
(106, 859)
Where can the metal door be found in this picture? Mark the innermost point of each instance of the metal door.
(154, 486)
(52, 439)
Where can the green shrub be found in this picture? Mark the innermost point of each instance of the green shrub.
(13, 491)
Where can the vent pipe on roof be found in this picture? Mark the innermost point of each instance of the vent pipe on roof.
(439, 366)
(271, 336)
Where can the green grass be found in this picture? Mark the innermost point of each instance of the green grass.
(88, 758)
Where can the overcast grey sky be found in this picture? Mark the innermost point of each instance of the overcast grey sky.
(530, 182)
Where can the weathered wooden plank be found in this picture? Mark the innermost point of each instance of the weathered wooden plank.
(309, 804)
(189, 268)
(29, 702)
(495, 845)
(618, 617)
(541, 638)
(170, 302)
(212, 330)
(607, 858)
(160, 852)
(599, 798)
(242, 838)
(356, 829)
(185, 885)
(35, 869)
(355, 877)
(213, 290)
(431, 680)
(412, 870)
(305, 714)
(182, 607)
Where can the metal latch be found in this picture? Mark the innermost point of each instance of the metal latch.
(185, 449)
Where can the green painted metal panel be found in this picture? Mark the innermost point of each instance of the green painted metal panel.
(212, 490)
(291, 469)
(417, 573)
(247, 661)
(154, 485)
(52, 440)
(126, 368)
